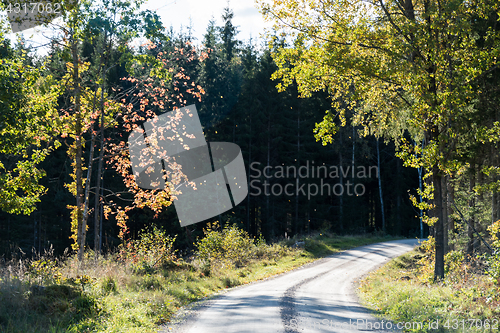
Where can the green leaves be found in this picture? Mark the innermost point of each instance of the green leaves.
(403, 70)
(27, 109)
(325, 130)
(231, 246)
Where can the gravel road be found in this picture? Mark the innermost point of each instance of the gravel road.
(318, 297)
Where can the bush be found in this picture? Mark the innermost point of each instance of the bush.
(43, 271)
(426, 262)
(272, 252)
(152, 250)
(108, 286)
(229, 247)
(493, 261)
(453, 260)
(493, 264)
(86, 306)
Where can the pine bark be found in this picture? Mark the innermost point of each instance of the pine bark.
(445, 213)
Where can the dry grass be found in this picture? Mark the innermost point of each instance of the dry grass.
(137, 288)
(404, 291)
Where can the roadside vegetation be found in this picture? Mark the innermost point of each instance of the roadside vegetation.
(466, 300)
(145, 281)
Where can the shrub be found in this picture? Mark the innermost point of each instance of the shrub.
(493, 261)
(153, 249)
(494, 230)
(108, 285)
(150, 283)
(43, 271)
(231, 246)
(453, 260)
(52, 300)
(493, 264)
(273, 252)
(426, 263)
(86, 306)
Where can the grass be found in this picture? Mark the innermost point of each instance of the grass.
(403, 291)
(118, 294)
(323, 244)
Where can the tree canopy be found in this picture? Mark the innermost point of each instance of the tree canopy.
(28, 100)
(406, 68)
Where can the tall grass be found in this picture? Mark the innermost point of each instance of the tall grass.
(144, 282)
(404, 291)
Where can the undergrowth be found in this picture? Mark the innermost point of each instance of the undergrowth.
(144, 282)
(404, 291)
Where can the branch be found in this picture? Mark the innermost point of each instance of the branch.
(470, 225)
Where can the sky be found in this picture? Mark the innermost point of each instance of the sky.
(178, 13)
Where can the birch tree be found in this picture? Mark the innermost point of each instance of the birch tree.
(413, 64)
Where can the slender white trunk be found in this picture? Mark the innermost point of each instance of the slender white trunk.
(380, 188)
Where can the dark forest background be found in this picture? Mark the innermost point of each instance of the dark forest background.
(242, 105)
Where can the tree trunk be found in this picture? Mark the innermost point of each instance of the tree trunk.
(380, 188)
(445, 212)
(439, 225)
(87, 189)
(480, 198)
(97, 202)
(35, 232)
(495, 198)
(353, 150)
(249, 162)
(495, 207)
(421, 212)
(341, 197)
(296, 224)
(471, 204)
(451, 222)
(429, 182)
(451, 199)
(189, 237)
(268, 219)
(78, 153)
(398, 198)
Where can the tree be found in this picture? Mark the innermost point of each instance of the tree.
(228, 34)
(159, 84)
(87, 108)
(28, 101)
(220, 73)
(109, 28)
(413, 65)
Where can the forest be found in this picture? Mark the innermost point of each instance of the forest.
(387, 126)
(358, 121)
(78, 154)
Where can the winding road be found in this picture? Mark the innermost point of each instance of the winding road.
(318, 297)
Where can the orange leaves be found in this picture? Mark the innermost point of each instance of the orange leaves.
(164, 85)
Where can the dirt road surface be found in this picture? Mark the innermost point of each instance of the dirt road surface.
(318, 297)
